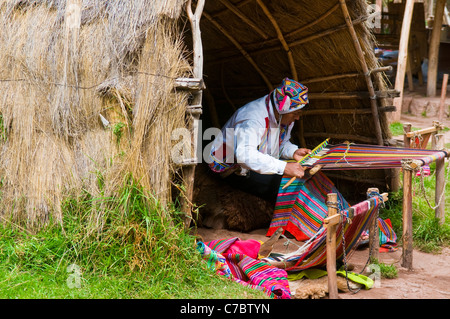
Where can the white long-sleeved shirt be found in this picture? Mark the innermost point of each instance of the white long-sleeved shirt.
(250, 138)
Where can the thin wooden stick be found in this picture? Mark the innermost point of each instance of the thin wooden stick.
(313, 23)
(266, 48)
(306, 156)
(407, 253)
(346, 111)
(365, 69)
(241, 49)
(244, 18)
(281, 38)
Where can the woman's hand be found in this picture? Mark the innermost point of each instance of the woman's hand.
(300, 153)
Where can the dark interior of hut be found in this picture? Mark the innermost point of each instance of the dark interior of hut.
(250, 46)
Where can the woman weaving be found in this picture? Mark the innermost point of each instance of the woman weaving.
(248, 153)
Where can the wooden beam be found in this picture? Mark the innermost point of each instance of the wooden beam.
(350, 137)
(241, 49)
(402, 58)
(280, 38)
(264, 47)
(365, 69)
(433, 52)
(190, 84)
(428, 130)
(331, 248)
(244, 18)
(316, 21)
(346, 111)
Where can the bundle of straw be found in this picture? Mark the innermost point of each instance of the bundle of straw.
(65, 63)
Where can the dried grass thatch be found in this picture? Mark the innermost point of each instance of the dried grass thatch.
(60, 69)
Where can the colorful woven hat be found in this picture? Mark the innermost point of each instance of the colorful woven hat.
(290, 96)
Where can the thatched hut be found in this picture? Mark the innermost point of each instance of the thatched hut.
(88, 87)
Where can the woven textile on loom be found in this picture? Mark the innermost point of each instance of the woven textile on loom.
(358, 156)
(237, 259)
(313, 253)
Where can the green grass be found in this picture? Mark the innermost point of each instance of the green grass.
(428, 234)
(397, 128)
(140, 250)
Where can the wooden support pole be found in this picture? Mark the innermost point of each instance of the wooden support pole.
(240, 48)
(433, 52)
(402, 58)
(331, 247)
(374, 238)
(365, 69)
(280, 38)
(244, 18)
(443, 96)
(189, 171)
(407, 254)
(439, 193)
(406, 137)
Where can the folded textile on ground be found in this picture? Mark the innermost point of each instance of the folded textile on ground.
(237, 259)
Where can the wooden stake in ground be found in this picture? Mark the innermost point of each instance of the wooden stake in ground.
(407, 256)
(433, 53)
(443, 96)
(374, 241)
(439, 193)
(402, 58)
(331, 247)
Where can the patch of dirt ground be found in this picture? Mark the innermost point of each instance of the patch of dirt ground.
(429, 278)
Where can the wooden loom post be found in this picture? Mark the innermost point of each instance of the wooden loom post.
(406, 139)
(443, 95)
(362, 60)
(439, 194)
(407, 257)
(403, 57)
(433, 53)
(374, 241)
(194, 113)
(331, 247)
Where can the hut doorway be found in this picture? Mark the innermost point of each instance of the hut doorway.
(249, 46)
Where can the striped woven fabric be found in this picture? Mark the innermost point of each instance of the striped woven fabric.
(359, 156)
(301, 207)
(243, 269)
(313, 253)
(388, 238)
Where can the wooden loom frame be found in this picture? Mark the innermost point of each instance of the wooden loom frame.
(330, 223)
(409, 167)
